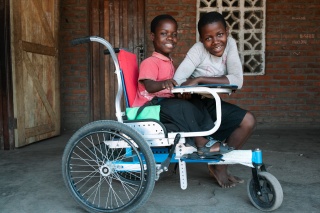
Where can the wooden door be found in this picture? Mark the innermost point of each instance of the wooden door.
(34, 40)
(122, 24)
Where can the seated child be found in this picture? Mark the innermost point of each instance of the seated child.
(156, 80)
(215, 60)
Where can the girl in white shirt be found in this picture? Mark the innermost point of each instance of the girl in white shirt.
(215, 60)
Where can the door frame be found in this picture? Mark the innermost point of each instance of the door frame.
(6, 90)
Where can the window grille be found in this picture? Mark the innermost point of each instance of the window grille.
(246, 22)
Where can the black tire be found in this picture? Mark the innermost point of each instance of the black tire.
(90, 168)
(270, 196)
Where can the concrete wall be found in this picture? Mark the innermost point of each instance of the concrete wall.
(288, 95)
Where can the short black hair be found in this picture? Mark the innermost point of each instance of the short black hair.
(209, 18)
(157, 19)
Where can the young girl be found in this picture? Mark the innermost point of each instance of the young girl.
(215, 60)
(156, 80)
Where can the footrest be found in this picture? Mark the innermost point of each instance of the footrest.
(194, 157)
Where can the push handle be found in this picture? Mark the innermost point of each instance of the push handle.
(107, 52)
(83, 40)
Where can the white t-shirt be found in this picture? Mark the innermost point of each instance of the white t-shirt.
(199, 62)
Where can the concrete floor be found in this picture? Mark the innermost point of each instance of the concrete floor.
(31, 180)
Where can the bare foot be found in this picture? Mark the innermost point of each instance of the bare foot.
(231, 178)
(219, 172)
(234, 179)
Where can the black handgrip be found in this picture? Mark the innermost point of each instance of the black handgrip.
(107, 52)
(83, 40)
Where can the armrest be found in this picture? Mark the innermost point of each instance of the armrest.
(221, 88)
(212, 92)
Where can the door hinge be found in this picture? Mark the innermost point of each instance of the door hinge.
(141, 52)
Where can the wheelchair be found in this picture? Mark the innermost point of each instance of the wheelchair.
(112, 166)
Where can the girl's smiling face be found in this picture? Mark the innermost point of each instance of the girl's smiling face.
(165, 37)
(214, 38)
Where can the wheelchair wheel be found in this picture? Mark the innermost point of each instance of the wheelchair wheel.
(98, 157)
(270, 196)
(130, 177)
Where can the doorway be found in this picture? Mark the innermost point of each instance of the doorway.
(122, 24)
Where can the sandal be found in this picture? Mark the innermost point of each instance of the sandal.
(204, 152)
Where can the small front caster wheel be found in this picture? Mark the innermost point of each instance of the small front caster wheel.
(267, 195)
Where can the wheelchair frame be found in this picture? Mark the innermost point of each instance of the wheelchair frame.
(129, 156)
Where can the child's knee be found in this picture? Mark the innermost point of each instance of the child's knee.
(250, 120)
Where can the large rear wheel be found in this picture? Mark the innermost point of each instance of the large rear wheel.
(97, 161)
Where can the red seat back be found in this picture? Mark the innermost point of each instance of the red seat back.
(129, 66)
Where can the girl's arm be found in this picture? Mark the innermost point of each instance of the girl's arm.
(234, 66)
(156, 86)
(206, 80)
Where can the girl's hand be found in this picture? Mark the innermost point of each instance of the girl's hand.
(156, 86)
(169, 84)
